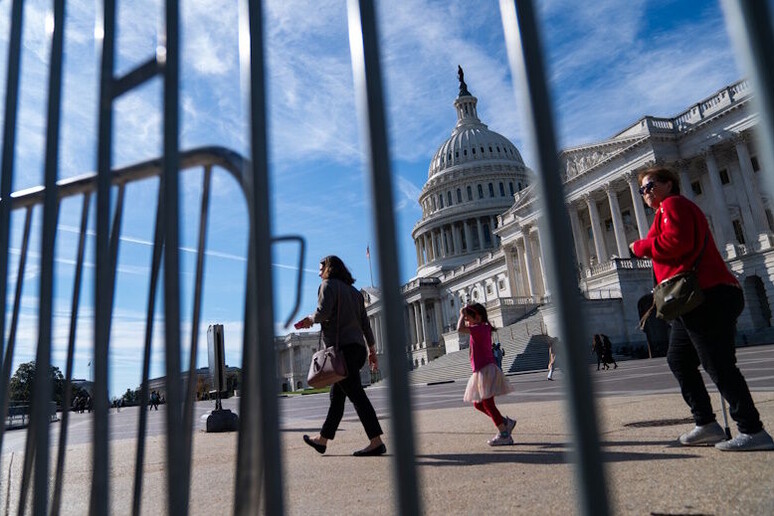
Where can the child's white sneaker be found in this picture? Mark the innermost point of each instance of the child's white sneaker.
(500, 440)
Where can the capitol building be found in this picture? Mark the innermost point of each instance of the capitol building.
(478, 239)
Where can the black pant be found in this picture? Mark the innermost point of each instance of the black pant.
(350, 387)
(706, 336)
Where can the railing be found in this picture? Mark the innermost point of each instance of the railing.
(259, 464)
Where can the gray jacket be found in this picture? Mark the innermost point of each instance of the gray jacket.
(341, 306)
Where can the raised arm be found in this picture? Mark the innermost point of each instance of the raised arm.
(462, 324)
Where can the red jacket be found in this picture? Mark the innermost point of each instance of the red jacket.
(675, 240)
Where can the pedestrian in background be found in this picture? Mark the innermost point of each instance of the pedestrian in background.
(677, 240)
(487, 380)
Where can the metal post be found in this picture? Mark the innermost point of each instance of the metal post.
(366, 68)
(750, 26)
(526, 59)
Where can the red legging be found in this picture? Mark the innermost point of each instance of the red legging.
(489, 408)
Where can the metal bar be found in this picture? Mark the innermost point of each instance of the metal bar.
(261, 427)
(43, 388)
(526, 59)
(56, 501)
(158, 245)
(228, 160)
(100, 485)
(6, 183)
(177, 465)
(197, 308)
(115, 238)
(750, 26)
(366, 68)
(8, 361)
(136, 77)
(300, 278)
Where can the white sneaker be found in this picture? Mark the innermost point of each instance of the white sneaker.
(500, 440)
(748, 442)
(710, 433)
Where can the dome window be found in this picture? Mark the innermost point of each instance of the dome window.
(491, 190)
(470, 193)
(459, 195)
(498, 149)
(502, 190)
(474, 150)
(457, 154)
(490, 150)
(465, 152)
(482, 150)
(520, 187)
(448, 199)
(440, 201)
(510, 187)
(480, 192)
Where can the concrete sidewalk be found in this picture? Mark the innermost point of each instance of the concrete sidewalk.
(458, 472)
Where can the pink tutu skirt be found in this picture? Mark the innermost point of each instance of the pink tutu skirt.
(487, 382)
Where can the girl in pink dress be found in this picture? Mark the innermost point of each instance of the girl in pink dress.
(487, 380)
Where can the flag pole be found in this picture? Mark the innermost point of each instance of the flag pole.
(368, 256)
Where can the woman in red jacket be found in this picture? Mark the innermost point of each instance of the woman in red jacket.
(704, 335)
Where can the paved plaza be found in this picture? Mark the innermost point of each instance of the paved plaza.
(640, 414)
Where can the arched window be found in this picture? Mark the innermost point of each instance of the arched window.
(502, 190)
(459, 195)
(480, 192)
(470, 193)
(491, 190)
(448, 198)
(440, 201)
(510, 187)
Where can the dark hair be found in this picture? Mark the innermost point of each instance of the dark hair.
(662, 174)
(334, 268)
(479, 310)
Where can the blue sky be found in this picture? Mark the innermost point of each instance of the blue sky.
(610, 63)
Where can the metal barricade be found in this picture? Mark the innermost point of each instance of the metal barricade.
(259, 462)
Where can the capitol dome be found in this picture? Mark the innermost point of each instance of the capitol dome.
(472, 179)
(471, 141)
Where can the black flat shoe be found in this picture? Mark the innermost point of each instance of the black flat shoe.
(319, 447)
(373, 452)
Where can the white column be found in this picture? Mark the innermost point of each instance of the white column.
(414, 326)
(510, 269)
(725, 237)
(457, 239)
(639, 208)
(685, 182)
(428, 248)
(618, 229)
(424, 325)
(542, 261)
(751, 188)
(581, 252)
(468, 237)
(419, 253)
(480, 233)
(438, 320)
(596, 230)
(528, 261)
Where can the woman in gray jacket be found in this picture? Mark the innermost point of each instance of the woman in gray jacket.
(342, 315)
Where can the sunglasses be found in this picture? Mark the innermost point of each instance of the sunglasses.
(647, 187)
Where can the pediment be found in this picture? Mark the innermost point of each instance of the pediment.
(579, 160)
